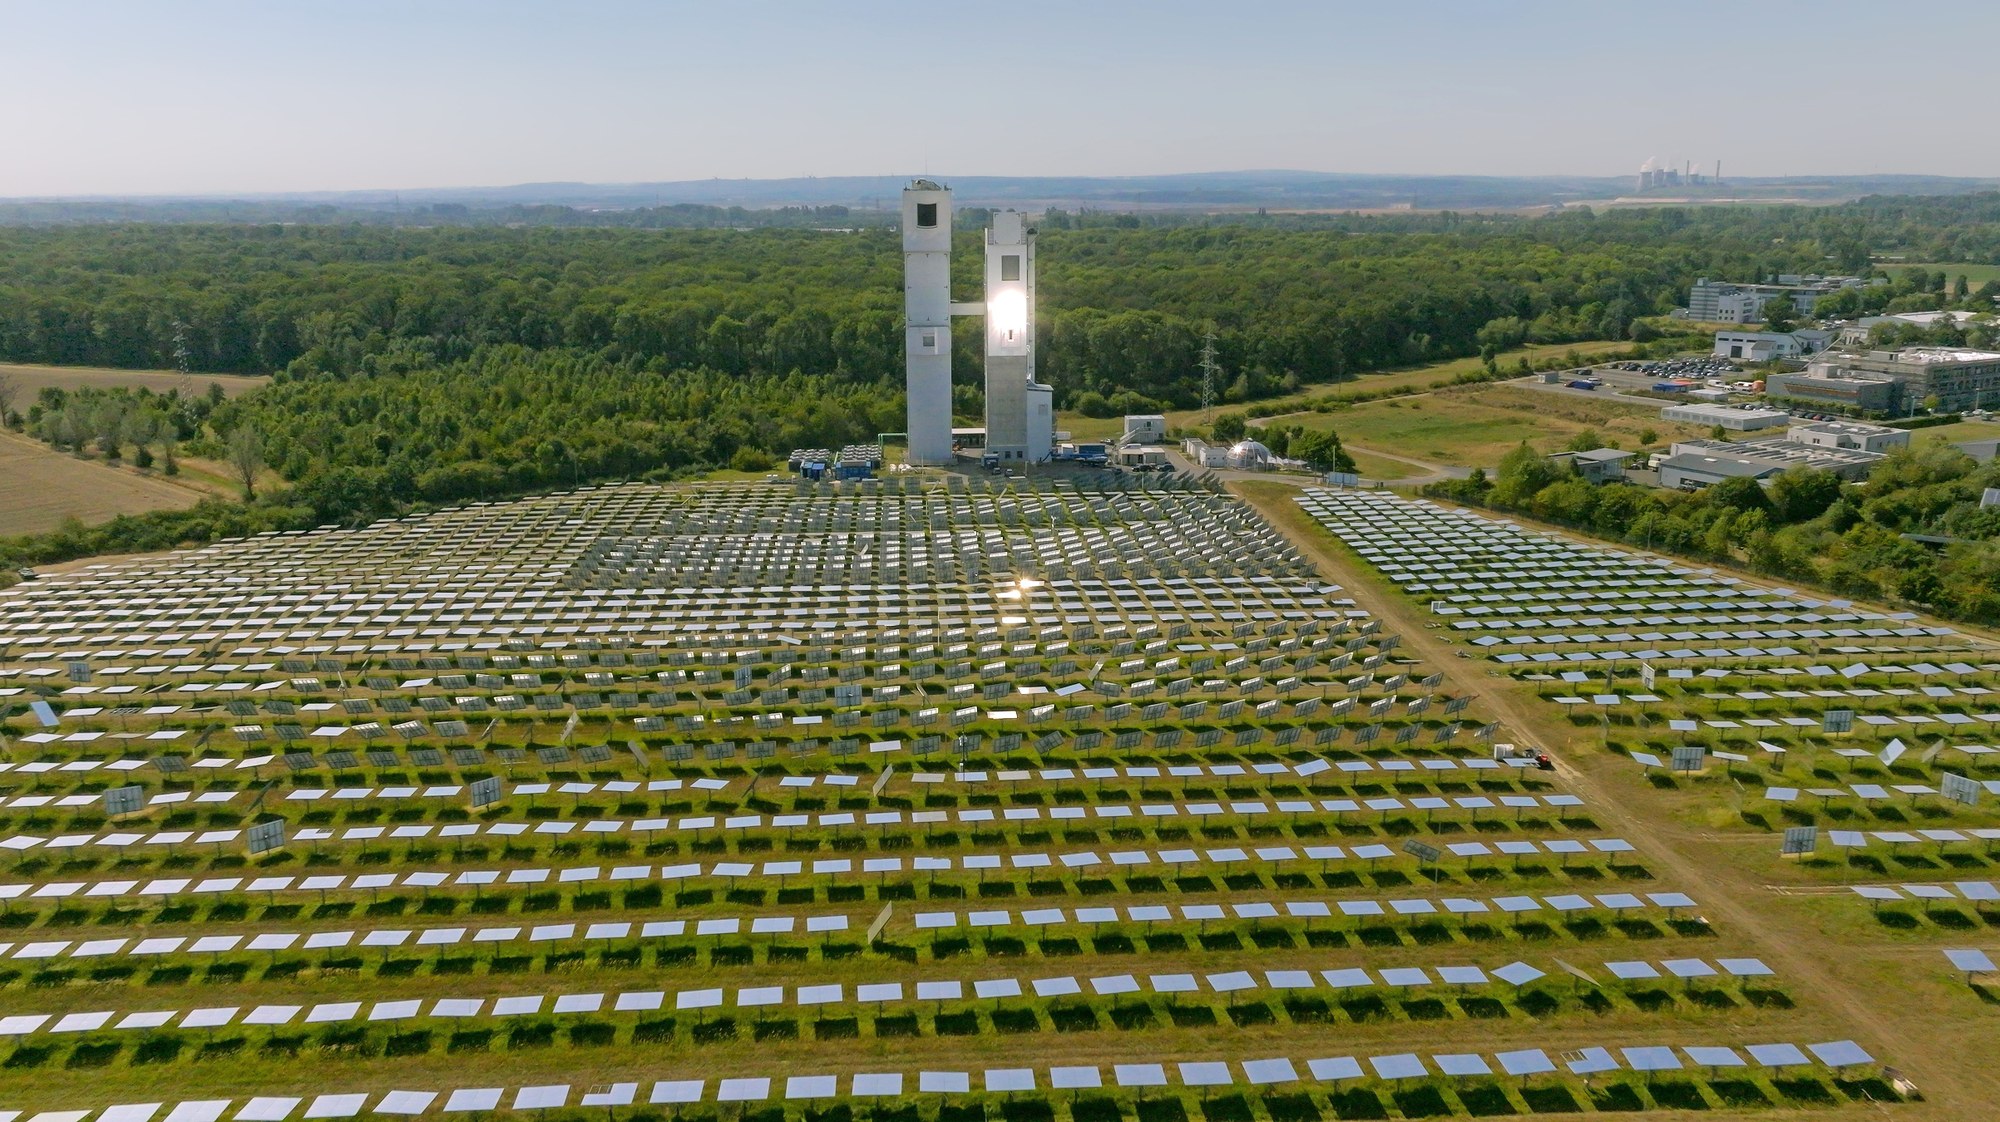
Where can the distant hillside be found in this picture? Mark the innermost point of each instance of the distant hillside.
(862, 200)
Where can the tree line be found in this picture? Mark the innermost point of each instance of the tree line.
(1124, 308)
(439, 364)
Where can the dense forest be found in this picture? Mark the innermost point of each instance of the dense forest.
(1807, 525)
(428, 365)
(1124, 302)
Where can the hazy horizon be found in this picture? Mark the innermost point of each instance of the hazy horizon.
(114, 98)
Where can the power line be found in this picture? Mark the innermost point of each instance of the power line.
(1209, 369)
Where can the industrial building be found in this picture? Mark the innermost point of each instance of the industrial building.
(1691, 465)
(1896, 381)
(1653, 176)
(1735, 418)
(1599, 465)
(1020, 412)
(1722, 302)
(1848, 434)
(1763, 346)
(1144, 428)
(1836, 390)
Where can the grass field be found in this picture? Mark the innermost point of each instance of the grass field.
(1476, 425)
(1414, 380)
(1381, 467)
(1959, 432)
(32, 380)
(40, 487)
(1975, 275)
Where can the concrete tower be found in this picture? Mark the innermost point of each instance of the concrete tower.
(1018, 418)
(927, 320)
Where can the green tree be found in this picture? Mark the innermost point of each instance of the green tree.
(1586, 441)
(1569, 501)
(1801, 494)
(1321, 450)
(1738, 493)
(1523, 474)
(1779, 314)
(246, 456)
(1228, 428)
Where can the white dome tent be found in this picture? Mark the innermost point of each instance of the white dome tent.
(1250, 455)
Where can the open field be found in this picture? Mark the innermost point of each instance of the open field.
(1474, 426)
(40, 487)
(1958, 432)
(1413, 380)
(1370, 466)
(31, 380)
(1975, 275)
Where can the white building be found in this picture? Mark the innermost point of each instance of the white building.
(1693, 464)
(1763, 346)
(1144, 428)
(1848, 434)
(1041, 415)
(1732, 417)
(1721, 302)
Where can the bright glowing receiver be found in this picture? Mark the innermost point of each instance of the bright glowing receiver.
(1008, 312)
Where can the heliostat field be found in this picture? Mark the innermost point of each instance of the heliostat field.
(924, 797)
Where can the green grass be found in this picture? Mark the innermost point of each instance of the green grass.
(1975, 275)
(1379, 467)
(1478, 425)
(1958, 433)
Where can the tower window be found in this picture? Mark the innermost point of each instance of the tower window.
(927, 215)
(1010, 267)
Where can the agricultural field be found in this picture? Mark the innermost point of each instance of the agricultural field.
(1474, 426)
(40, 488)
(933, 798)
(1827, 764)
(31, 380)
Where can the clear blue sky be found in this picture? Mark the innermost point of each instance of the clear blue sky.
(202, 96)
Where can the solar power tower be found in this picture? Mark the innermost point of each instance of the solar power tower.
(927, 315)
